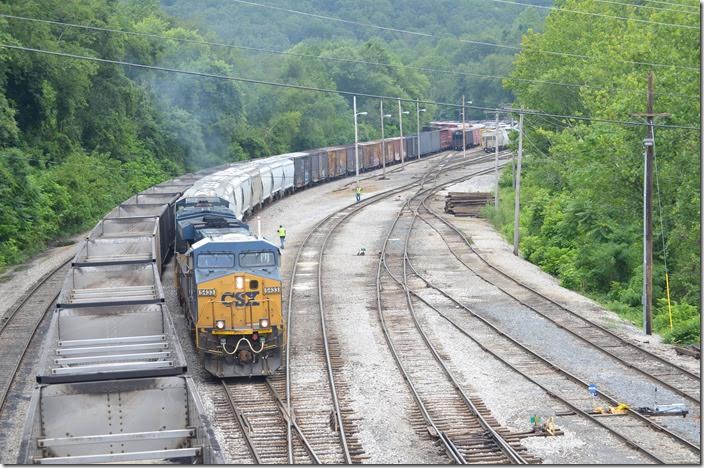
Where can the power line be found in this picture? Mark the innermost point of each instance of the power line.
(327, 91)
(333, 59)
(599, 15)
(673, 4)
(657, 8)
(467, 41)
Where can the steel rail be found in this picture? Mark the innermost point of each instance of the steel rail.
(502, 445)
(10, 314)
(241, 423)
(287, 416)
(561, 371)
(508, 450)
(450, 448)
(355, 207)
(9, 317)
(571, 313)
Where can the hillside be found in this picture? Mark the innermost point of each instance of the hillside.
(77, 137)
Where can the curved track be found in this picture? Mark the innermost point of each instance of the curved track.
(21, 322)
(469, 434)
(657, 369)
(313, 383)
(558, 383)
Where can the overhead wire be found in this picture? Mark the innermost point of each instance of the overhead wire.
(599, 15)
(445, 36)
(328, 91)
(673, 4)
(326, 58)
(635, 5)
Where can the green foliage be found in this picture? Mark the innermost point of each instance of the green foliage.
(77, 137)
(581, 216)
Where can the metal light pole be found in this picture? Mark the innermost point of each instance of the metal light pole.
(356, 140)
(464, 141)
(383, 140)
(418, 111)
(400, 128)
(496, 162)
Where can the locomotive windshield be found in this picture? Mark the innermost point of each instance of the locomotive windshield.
(257, 259)
(216, 261)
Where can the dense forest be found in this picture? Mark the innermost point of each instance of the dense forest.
(77, 137)
(583, 181)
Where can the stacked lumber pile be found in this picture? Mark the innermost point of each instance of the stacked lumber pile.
(467, 203)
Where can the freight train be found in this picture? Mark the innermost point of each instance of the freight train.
(229, 285)
(112, 349)
(228, 279)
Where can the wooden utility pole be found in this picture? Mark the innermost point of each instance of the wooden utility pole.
(648, 218)
(649, 157)
(517, 182)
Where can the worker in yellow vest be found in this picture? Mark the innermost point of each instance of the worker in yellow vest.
(282, 235)
(358, 194)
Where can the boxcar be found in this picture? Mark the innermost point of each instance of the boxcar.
(350, 160)
(446, 135)
(411, 147)
(302, 168)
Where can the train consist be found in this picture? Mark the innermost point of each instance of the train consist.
(112, 386)
(228, 282)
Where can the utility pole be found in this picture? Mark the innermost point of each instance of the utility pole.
(517, 182)
(648, 217)
(356, 140)
(400, 128)
(383, 141)
(464, 142)
(496, 162)
(356, 143)
(649, 156)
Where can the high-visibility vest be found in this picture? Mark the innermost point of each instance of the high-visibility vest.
(359, 190)
(282, 232)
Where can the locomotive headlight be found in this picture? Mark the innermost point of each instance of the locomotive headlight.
(239, 282)
(263, 323)
(220, 324)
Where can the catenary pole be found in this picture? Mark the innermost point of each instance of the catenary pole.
(517, 205)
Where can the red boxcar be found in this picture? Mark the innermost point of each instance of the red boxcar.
(446, 138)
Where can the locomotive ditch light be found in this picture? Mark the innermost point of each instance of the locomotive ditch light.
(239, 282)
(220, 324)
(263, 323)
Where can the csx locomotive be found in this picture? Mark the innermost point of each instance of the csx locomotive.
(228, 281)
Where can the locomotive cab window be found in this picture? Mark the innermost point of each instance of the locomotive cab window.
(265, 258)
(216, 261)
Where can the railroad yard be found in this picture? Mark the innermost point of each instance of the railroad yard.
(413, 337)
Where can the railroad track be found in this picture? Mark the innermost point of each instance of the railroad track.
(637, 431)
(21, 322)
(463, 424)
(313, 362)
(253, 412)
(657, 369)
